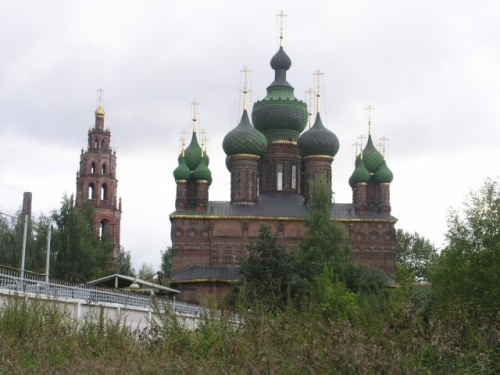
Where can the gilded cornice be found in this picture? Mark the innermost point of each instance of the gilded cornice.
(271, 218)
(282, 142)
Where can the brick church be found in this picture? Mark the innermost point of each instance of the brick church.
(271, 164)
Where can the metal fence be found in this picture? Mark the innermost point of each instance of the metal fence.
(11, 280)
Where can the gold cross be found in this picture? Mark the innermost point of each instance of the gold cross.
(318, 73)
(369, 110)
(195, 108)
(310, 91)
(101, 92)
(383, 141)
(281, 15)
(245, 71)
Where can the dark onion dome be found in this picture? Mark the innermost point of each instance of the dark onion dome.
(244, 139)
(228, 163)
(206, 158)
(361, 173)
(372, 158)
(182, 172)
(202, 173)
(193, 153)
(318, 140)
(280, 116)
(384, 174)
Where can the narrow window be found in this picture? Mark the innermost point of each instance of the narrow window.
(91, 191)
(294, 177)
(96, 143)
(104, 192)
(92, 168)
(279, 177)
(103, 228)
(104, 168)
(249, 185)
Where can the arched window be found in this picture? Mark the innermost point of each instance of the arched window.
(91, 191)
(104, 192)
(96, 143)
(102, 143)
(294, 177)
(92, 168)
(104, 227)
(104, 168)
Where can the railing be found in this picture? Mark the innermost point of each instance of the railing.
(10, 280)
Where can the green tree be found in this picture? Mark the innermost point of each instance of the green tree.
(125, 265)
(466, 277)
(78, 253)
(146, 271)
(268, 270)
(325, 241)
(166, 263)
(415, 252)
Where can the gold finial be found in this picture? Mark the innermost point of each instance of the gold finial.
(281, 15)
(100, 110)
(369, 110)
(309, 92)
(195, 119)
(383, 140)
(318, 74)
(245, 71)
(183, 141)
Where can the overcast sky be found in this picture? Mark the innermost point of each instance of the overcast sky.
(431, 69)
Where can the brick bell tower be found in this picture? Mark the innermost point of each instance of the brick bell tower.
(96, 181)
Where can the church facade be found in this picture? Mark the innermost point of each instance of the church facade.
(271, 163)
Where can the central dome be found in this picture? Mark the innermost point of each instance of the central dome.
(280, 116)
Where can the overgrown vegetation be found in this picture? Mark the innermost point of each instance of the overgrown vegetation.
(333, 318)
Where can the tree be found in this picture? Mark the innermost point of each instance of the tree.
(146, 271)
(268, 270)
(415, 252)
(466, 277)
(324, 242)
(78, 253)
(125, 265)
(166, 263)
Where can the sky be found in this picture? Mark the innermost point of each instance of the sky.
(431, 70)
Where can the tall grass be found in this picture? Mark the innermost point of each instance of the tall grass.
(383, 335)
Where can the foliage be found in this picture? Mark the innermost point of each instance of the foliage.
(125, 265)
(467, 274)
(416, 252)
(166, 262)
(324, 242)
(146, 271)
(79, 254)
(268, 269)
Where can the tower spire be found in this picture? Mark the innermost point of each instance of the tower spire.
(318, 75)
(245, 71)
(282, 16)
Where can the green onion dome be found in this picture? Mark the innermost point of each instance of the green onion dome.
(228, 163)
(318, 140)
(202, 172)
(206, 158)
(384, 174)
(182, 172)
(372, 158)
(193, 153)
(244, 139)
(280, 116)
(360, 174)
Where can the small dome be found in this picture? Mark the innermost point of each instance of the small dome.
(202, 172)
(360, 174)
(281, 61)
(193, 153)
(384, 174)
(318, 140)
(244, 139)
(372, 158)
(182, 172)
(99, 112)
